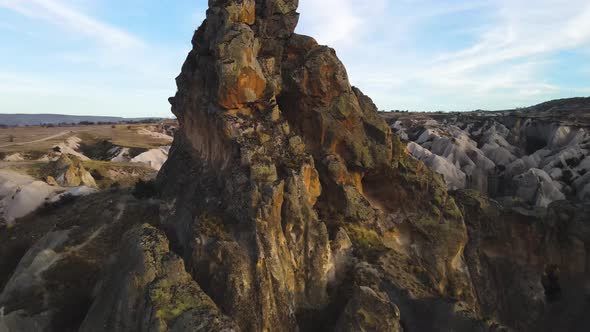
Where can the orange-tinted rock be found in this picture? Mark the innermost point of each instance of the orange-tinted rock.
(279, 148)
(245, 87)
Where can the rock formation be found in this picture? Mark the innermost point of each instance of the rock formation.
(276, 154)
(287, 204)
(147, 289)
(542, 261)
(70, 172)
(52, 261)
(538, 155)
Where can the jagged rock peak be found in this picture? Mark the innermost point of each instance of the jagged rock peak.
(277, 154)
(239, 40)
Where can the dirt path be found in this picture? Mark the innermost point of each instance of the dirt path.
(36, 141)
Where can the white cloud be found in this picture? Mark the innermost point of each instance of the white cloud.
(105, 46)
(339, 23)
(524, 32)
(502, 52)
(59, 14)
(111, 70)
(508, 62)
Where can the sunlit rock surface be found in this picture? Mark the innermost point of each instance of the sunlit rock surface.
(287, 204)
(278, 160)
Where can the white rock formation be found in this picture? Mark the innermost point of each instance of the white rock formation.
(71, 146)
(537, 188)
(453, 176)
(155, 158)
(539, 161)
(21, 194)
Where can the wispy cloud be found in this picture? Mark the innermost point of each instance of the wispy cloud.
(339, 23)
(504, 52)
(57, 13)
(410, 54)
(523, 32)
(102, 63)
(105, 46)
(511, 56)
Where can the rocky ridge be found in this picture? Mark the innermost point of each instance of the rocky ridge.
(288, 204)
(277, 156)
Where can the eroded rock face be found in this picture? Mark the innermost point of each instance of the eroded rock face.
(537, 188)
(368, 308)
(254, 240)
(288, 205)
(530, 271)
(275, 156)
(147, 289)
(70, 172)
(52, 260)
(536, 154)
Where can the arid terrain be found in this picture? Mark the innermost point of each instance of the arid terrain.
(536, 155)
(39, 164)
(283, 200)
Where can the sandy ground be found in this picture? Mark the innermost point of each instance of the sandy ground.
(20, 194)
(147, 132)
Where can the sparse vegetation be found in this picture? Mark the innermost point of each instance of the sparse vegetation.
(367, 243)
(106, 173)
(45, 138)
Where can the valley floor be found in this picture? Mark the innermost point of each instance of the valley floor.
(39, 165)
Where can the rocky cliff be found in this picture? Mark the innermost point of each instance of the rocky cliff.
(286, 204)
(277, 159)
(530, 271)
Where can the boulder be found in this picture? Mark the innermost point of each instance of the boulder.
(70, 172)
(368, 310)
(51, 181)
(537, 188)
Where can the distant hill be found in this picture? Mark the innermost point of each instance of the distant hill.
(38, 119)
(579, 104)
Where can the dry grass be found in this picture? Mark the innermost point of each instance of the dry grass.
(105, 173)
(123, 135)
(42, 139)
(33, 138)
(108, 173)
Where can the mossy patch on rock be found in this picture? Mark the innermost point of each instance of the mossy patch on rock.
(212, 226)
(367, 243)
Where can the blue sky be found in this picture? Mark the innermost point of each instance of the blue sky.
(120, 57)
